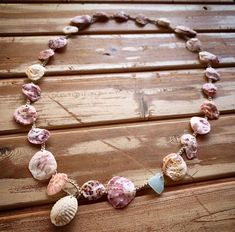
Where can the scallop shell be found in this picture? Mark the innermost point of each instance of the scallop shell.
(46, 54)
(193, 45)
(35, 72)
(163, 22)
(121, 191)
(25, 114)
(209, 89)
(92, 190)
(200, 125)
(38, 135)
(207, 57)
(212, 74)
(57, 43)
(182, 30)
(31, 91)
(42, 165)
(210, 110)
(56, 183)
(64, 210)
(190, 145)
(174, 166)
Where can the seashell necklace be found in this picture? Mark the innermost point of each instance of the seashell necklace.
(120, 191)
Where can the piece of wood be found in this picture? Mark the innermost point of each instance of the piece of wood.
(132, 150)
(78, 101)
(207, 208)
(31, 19)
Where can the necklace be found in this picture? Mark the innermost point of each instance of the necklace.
(120, 191)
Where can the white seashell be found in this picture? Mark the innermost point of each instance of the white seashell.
(64, 210)
(70, 30)
(193, 45)
(42, 165)
(163, 22)
(35, 72)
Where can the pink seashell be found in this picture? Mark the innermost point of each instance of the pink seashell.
(200, 125)
(212, 74)
(209, 89)
(121, 16)
(190, 145)
(193, 45)
(121, 191)
(93, 190)
(38, 136)
(207, 57)
(31, 91)
(46, 54)
(101, 16)
(56, 183)
(141, 20)
(82, 20)
(210, 110)
(58, 43)
(42, 165)
(174, 166)
(25, 114)
(186, 31)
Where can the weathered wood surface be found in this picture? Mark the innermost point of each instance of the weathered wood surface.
(51, 18)
(208, 207)
(110, 98)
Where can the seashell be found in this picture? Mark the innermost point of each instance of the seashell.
(46, 54)
(70, 30)
(141, 20)
(209, 89)
(64, 210)
(35, 72)
(121, 191)
(121, 16)
(193, 45)
(25, 114)
(212, 74)
(174, 166)
(38, 136)
(42, 165)
(157, 183)
(56, 183)
(31, 91)
(101, 16)
(93, 190)
(82, 20)
(200, 125)
(163, 22)
(186, 31)
(57, 43)
(190, 145)
(207, 57)
(210, 110)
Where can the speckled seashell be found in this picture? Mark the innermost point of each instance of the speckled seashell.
(210, 110)
(212, 74)
(209, 89)
(64, 210)
(190, 145)
(186, 31)
(101, 16)
(35, 72)
(207, 57)
(46, 54)
(56, 183)
(163, 22)
(42, 165)
(70, 30)
(121, 16)
(193, 45)
(25, 114)
(38, 136)
(200, 125)
(31, 91)
(174, 166)
(141, 20)
(82, 20)
(93, 190)
(57, 43)
(121, 191)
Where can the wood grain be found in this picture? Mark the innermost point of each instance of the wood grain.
(131, 150)
(39, 19)
(79, 101)
(212, 208)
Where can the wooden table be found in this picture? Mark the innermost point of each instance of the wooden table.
(116, 102)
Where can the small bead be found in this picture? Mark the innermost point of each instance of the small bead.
(70, 30)
(25, 114)
(35, 72)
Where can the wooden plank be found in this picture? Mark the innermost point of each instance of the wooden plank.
(131, 150)
(112, 53)
(212, 208)
(77, 101)
(42, 19)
